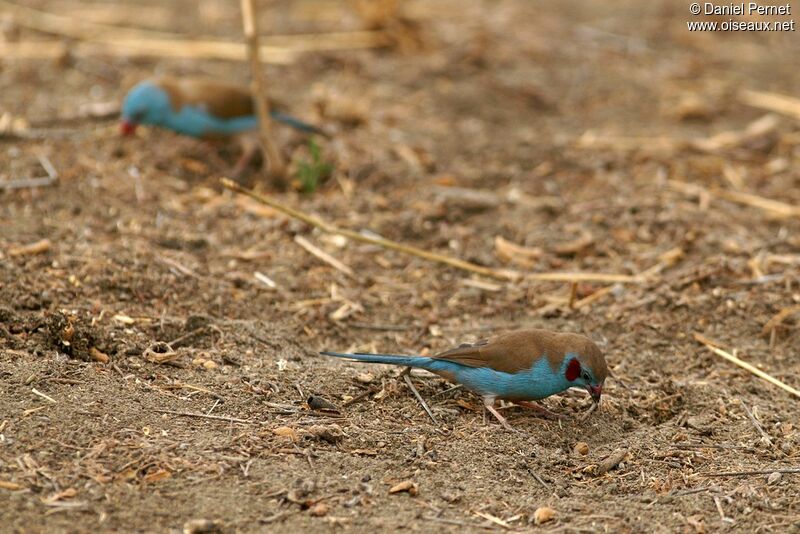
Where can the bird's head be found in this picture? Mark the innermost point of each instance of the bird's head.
(586, 367)
(146, 103)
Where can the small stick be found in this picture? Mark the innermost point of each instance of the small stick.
(573, 294)
(266, 280)
(175, 343)
(778, 103)
(778, 318)
(419, 397)
(39, 247)
(711, 446)
(27, 183)
(380, 327)
(502, 274)
(456, 522)
(273, 157)
(42, 395)
(775, 207)
(496, 520)
(205, 416)
(360, 396)
(785, 471)
(324, 256)
(711, 345)
(756, 424)
(718, 504)
(535, 475)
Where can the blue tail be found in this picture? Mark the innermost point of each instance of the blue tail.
(407, 361)
(296, 123)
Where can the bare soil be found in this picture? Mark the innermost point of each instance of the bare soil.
(569, 122)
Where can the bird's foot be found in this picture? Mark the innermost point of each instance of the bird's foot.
(541, 410)
(500, 418)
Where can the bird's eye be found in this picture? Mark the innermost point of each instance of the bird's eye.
(585, 376)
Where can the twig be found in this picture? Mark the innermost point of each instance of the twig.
(456, 522)
(38, 247)
(502, 274)
(324, 256)
(105, 39)
(205, 416)
(778, 318)
(42, 395)
(775, 207)
(711, 446)
(535, 475)
(784, 471)
(419, 398)
(272, 156)
(712, 346)
(381, 327)
(756, 424)
(722, 516)
(178, 266)
(27, 183)
(212, 407)
(175, 343)
(785, 105)
(266, 280)
(360, 396)
(496, 520)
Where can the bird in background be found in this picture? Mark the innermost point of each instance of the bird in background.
(197, 107)
(201, 108)
(520, 366)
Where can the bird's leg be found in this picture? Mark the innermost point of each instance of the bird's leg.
(488, 403)
(250, 152)
(540, 409)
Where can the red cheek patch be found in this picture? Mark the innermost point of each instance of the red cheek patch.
(573, 369)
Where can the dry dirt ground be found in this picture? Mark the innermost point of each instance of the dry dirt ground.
(600, 137)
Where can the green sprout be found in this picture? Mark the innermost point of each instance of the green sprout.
(312, 172)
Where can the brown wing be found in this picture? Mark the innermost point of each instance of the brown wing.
(511, 352)
(221, 99)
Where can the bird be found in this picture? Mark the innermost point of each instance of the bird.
(518, 366)
(197, 107)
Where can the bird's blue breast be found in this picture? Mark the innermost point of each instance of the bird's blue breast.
(197, 122)
(538, 382)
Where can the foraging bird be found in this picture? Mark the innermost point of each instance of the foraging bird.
(519, 366)
(197, 108)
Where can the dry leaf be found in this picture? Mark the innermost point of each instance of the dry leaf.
(508, 251)
(318, 510)
(13, 486)
(543, 514)
(161, 474)
(582, 448)
(98, 356)
(407, 486)
(286, 432)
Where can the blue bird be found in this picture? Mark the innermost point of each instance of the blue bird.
(196, 107)
(519, 366)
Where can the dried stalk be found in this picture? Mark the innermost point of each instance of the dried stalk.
(713, 347)
(272, 156)
(501, 274)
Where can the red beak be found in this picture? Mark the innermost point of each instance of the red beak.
(127, 128)
(595, 392)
